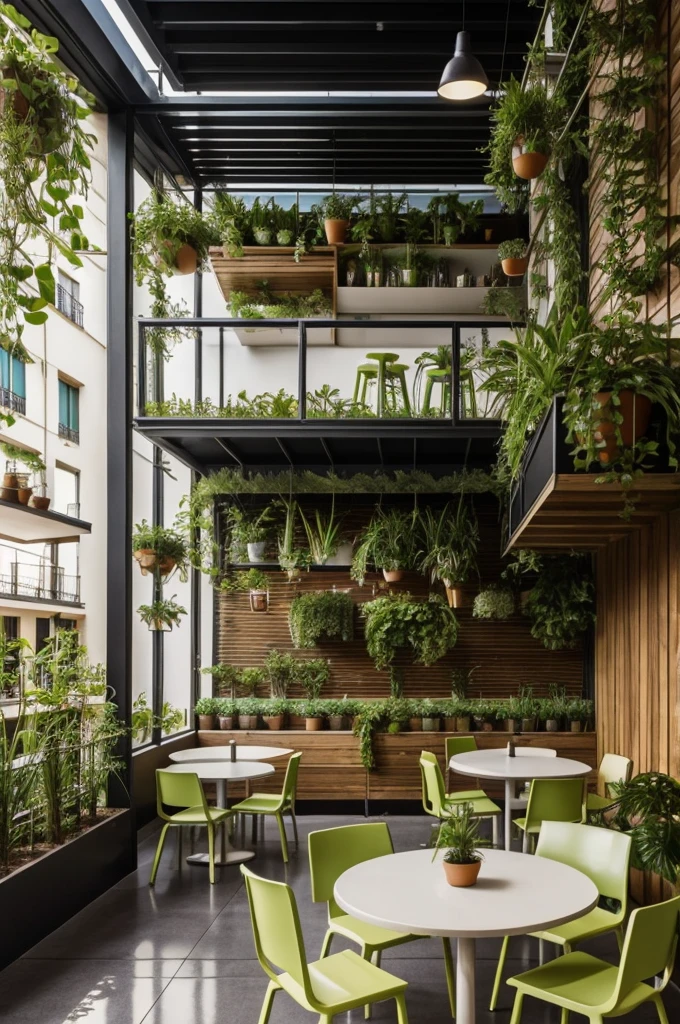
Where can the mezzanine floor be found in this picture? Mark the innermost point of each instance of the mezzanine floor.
(183, 953)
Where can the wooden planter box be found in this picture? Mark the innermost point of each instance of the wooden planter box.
(42, 895)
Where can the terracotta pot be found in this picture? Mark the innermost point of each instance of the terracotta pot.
(225, 721)
(313, 724)
(40, 501)
(393, 575)
(455, 596)
(247, 721)
(552, 725)
(515, 267)
(23, 494)
(335, 722)
(636, 411)
(488, 234)
(415, 724)
(509, 725)
(206, 721)
(10, 485)
(186, 261)
(574, 726)
(528, 165)
(273, 721)
(146, 557)
(463, 724)
(259, 600)
(336, 231)
(19, 102)
(461, 875)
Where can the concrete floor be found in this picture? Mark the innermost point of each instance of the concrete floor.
(183, 953)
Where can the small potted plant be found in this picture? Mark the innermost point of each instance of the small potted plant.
(40, 498)
(158, 548)
(430, 714)
(323, 535)
(248, 708)
(170, 236)
(274, 712)
(450, 541)
(281, 670)
(161, 615)
(226, 713)
(390, 542)
(262, 221)
(484, 714)
(285, 222)
(291, 559)
(553, 711)
(579, 713)
(459, 836)
(336, 213)
(513, 257)
(494, 602)
(313, 713)
(396, 711)
(312, 674)
(527, 707)
(142, 719)
(337, 712)
(255, 582)
(415, 719)
(206, 710)
(249, 532)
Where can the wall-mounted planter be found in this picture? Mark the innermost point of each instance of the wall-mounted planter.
(393, 575)
(257, 551)
(515, 267)
(455, 596)
(313, 724)
(259, 600)
(206, 721)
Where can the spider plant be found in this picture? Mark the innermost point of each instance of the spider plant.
(323, 534)
(450, 541)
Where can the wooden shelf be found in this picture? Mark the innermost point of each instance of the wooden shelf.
(414, 301)
(275, 264)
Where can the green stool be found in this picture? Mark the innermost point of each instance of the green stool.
(367, 372)
(438, 376)
(468, 394)
(395, 374)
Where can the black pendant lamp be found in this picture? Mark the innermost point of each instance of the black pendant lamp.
(464, 77)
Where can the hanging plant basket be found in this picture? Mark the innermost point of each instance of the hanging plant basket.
(160, 626)
(515, 267)
(528, 165)
(259, 600)
(148, 561)
(186, 260)
(393, 575)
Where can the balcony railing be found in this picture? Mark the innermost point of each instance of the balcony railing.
(44, 582)
(15, 403)
(69, 434)
(69, 306)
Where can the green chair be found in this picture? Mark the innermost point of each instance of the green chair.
(460, 745)
(443, 378)
(183, 789)
(333, 851)
(276, 804)
(613, 768)
(552, 800)
(580, 983)
(438, 805)
(329, 986)
(601, 854)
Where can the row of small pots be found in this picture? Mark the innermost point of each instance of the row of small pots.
(274, 722)
(338, 722)
(15, 490)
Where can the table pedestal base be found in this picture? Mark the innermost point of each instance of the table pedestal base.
(465, 982)
(231, 856)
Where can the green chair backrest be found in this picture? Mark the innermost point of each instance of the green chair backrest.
(649, 946)
(290, 781)
(613, 768)
(459, 745)
(178, 789)
(433, 784)
(334, 850)
(555, 800)
(600, 853)
(276, 928)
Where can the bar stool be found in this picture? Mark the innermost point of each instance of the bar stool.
(442, 377)
(395, 374)
(367, 372)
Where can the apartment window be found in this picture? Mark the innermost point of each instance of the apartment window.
(68, 298)
(66, 491)
(12, 383)
(68, 412)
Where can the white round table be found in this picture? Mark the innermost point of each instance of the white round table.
(514, 895)
(497, 764)
(221, 772)
(223, 753)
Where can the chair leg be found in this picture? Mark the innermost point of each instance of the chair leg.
(450, 976)
(159, 850)
(564, 1016)
(211, 852)
(402, 1016)
(404, 392)
(367, 954)
(295, 831)
(619, 937)
(427, 396)
(356, 387)
(517, 1008)
(494, 830)
(272, 989)
(499, 973)
(541, 952)
(660, 1008)
(282, 833)
(326, 945)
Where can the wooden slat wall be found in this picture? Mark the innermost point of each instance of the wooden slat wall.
(636, 660)
(506, 653)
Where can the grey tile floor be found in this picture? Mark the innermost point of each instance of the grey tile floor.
(182, 953)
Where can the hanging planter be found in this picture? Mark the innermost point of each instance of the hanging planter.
(336, 212)
(259, 600)
(513, 257)
(255, 582)
(162, 615)
(158, 549)
(528, 163)
(186, 260)
(393, 575)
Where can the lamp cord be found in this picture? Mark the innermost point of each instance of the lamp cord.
(505, 42)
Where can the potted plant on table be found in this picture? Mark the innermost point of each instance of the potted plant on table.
(390, 542)
(255, 582)
(494, 602)
(459, 836)
(157, 548)
(335, 212)
(449, 552)
(206, 710)
(160, 616)
(513, 257)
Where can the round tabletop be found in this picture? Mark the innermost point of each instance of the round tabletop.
(223, 753)
(514, 895)
(223, 771)
(496, 764)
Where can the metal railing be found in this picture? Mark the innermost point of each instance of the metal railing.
(69, 434)
(69, 306)
(15, 403)
(46, 582)
(150, 378)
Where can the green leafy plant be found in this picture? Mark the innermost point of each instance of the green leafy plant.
(417, 226)
(30, 459)
(450, 540)
(168, 545)
(337, 206)
(285, 223)
(648, 809)
(389, 207)
(452, 217)
(321, 615)
(207, 706)
(580, 710)
(396, 621)
(494, 602)
(291, 558)
(247, 527)
(515, 249)
(561, 604)
(163, 612)
(505, 301)
(225, 679)
(522, 116)
(264, 304)
(230, 222)
(366, 722)
(242, 580)
(249, 681)
(281, 668)
(312, 675)
(390, 541)
(311, 708)
(459, 835)
(323, 534)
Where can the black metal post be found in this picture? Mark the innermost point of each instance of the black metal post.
(221, 370)
(302, 370)
(119, 358)
(157, 502)
(195, 600)
(198, 312)
(141, 370)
